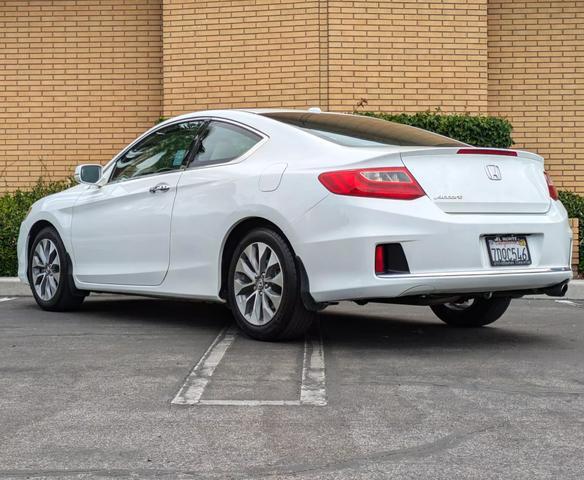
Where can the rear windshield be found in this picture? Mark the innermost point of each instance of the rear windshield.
(361, 131)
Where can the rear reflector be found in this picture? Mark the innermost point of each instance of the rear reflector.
(392, 182)
(551, 187)
(390, 259)
(486, 151)
(379, 260)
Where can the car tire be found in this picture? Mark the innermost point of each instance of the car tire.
(49, 274)
(476, 312)
(263, 288)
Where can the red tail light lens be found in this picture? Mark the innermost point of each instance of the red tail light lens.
(486, 151)
(551, 187)
(395, 182)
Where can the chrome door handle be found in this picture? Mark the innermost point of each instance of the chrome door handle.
(161, 187)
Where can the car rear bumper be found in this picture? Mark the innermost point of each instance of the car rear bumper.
(457, 283)
(446, 253)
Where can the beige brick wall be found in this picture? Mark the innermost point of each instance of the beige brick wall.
(408, 55)
(536, 80)
(249, 53)
(81, 78)
(78, 80)
(574, 223)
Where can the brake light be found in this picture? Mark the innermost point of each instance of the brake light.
(391, 182)
(486, 151)
(551, 187)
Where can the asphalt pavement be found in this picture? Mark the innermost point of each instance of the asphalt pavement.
(374, 392)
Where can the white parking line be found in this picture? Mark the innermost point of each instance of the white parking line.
(250, 403)
(569, 302)
(5, 299)
(312, 387)
(195, 384)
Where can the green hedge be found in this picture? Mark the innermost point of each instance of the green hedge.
(13, 210)
(477, 130)
(574, 204)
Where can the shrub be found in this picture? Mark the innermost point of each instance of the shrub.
(13, 210)
(477, 130)
(574, 204)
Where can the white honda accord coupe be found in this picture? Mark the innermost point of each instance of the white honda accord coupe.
(279, 213)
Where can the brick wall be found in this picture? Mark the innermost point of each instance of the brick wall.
(536, 79)
(575, 224)
(408, 55)
(249, 53)
(78, 80)
(81, 78)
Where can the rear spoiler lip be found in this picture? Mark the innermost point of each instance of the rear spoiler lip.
(454, 151)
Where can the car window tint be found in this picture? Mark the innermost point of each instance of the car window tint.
(162, 151)
(362, 131)
(222, 142)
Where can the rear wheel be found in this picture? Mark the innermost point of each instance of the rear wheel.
(474, 312)
(49, 274)
(264, 288)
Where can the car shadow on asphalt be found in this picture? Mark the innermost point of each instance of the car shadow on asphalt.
(130, 309)
(364, 327)
(155, 310)
(396, 332)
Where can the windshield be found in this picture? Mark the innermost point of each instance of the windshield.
(362, 131)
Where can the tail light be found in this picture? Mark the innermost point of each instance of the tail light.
(551, 187)
(392, 182)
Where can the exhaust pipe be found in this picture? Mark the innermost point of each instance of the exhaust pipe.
(557, 290)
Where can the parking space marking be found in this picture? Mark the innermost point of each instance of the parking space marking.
(194, 386)
(569, 302)
(5, 299)
(250, 403)
(312, 386)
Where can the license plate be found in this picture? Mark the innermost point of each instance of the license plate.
(505, 250)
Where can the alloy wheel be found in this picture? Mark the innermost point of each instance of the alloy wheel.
(46, 269)
(460, 306)
(258, 283)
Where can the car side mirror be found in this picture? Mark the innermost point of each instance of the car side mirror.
(88, 174)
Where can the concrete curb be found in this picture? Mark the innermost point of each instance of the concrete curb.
(13, 287)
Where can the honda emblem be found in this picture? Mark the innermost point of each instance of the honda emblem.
(493, 172)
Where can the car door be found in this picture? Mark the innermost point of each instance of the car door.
(120, 231)
(206, 201)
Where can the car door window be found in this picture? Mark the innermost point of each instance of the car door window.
(162, 151)
(221, 142)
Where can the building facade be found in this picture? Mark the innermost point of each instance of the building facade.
(82, 78)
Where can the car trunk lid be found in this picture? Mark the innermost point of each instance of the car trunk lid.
(474, 180)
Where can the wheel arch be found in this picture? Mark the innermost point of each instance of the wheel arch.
(34, 230)
(242, 228)
(237, 232)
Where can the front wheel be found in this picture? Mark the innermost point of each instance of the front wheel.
(264, 288)
(49, 274)
(474, 312)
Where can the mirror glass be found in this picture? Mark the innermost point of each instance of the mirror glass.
(88, 173)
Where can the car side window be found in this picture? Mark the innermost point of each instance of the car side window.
(162, 151)
(221, 142)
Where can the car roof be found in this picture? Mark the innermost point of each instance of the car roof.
(228, 112)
